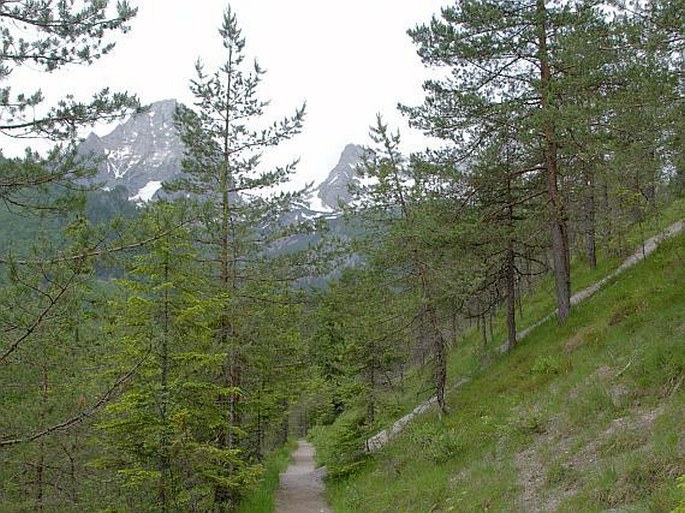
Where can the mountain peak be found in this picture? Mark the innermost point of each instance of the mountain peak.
(141, 153)
(351, 152)
(335, 188)
(162, 107)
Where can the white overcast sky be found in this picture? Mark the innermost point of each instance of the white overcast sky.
(349, 59)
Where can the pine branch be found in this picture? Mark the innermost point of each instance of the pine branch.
(82, 415)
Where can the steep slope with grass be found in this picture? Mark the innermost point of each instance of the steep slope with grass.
(584, 417)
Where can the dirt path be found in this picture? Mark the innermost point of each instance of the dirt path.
(301, 489)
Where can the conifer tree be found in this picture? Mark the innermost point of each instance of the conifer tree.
(390, 203)
(47, 279)
(360, 347)
(506, 199)
(47, 36)
(502, 61)
(50, 368)
(163, 321)
(225, 136)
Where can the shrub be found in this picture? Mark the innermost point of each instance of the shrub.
(680, 508)
(341, 446)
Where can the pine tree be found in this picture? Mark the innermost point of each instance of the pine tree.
(503, 62)
(504, 197)
(50, 373)
(48, 35)
(391, 204)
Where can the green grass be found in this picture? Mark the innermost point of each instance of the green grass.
(262, 499)
(584, 417)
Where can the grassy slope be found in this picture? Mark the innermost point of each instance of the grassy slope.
(468, 358)
(585, 417)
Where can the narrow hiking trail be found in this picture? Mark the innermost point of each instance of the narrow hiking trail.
(302, 489)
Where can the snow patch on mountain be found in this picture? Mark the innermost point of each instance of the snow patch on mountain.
(147, 192)
(144, 150)
(317, 205)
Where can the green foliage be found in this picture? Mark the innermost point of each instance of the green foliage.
(680, 508)
(548, 365)
(50, 362)
(357, 345)
(172, 401)
(437, 443)
(241, 309)
(53, 362)
(340, 447)
(50, 37)
(166, 390)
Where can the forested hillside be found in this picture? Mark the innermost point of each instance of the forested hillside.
(157, 357)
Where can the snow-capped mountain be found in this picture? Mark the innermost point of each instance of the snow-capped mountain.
(139, 154)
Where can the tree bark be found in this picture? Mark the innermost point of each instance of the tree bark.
(558, 227)
(164, 442)
(40, 463)
(510, 270)
(223, 496)
(590, 220)
(440, 358)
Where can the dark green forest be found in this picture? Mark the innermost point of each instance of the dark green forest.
(155, 358)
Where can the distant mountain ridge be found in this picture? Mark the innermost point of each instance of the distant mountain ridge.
(146, 150)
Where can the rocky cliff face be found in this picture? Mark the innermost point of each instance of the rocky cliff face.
(334, 190)
(146, 150)
(140, 154)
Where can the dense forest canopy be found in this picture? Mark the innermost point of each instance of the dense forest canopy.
(152, 357)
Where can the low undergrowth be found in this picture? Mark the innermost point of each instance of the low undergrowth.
(262, 499)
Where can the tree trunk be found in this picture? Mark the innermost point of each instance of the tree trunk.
(223, 496)
(558, 228)
(40, 463)
(429, 318)
(483, 330)
(440, 358)
(285, 427)
(455, 328)
(590, 220)
(371, 405)
(164, 442)
(519, 301)
(511, 296)
(491, 322)
(510, 271)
